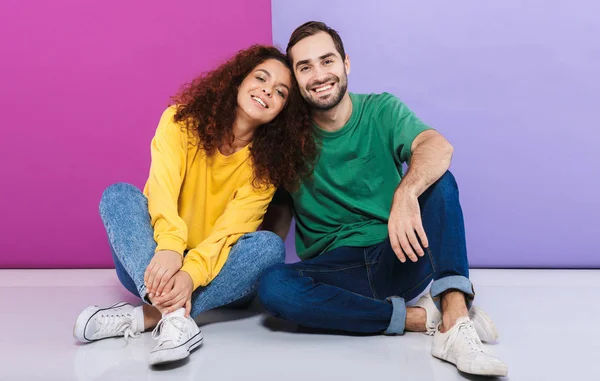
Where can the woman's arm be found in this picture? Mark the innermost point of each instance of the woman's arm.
(242, 215)
(167, 170)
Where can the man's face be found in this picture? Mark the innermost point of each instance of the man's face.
(321, 72)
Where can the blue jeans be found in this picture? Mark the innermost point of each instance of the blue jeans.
(124, 212)
(363, 289)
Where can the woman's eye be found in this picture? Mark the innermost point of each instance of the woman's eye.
(261, 79)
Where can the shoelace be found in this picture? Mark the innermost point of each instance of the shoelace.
(467, 330)
(117, 323)
(431, 327)
(164, 332)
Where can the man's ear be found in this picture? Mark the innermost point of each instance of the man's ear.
(347, 64)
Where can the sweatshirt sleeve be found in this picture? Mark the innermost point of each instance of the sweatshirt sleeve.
(243, 214)
(169, 151)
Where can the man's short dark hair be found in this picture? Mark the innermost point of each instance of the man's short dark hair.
(310, 29)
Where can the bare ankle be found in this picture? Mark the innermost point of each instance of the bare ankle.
(151, 316)
(416, 317)
(454, 306)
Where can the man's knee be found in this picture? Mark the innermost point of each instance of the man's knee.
(447, 180)
(445, 187)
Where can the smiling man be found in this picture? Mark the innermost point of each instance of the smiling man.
(371, 237)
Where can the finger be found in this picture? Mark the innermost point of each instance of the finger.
(166, 289)
(147, 274)
(188, 308)
(414, 242)
(156, 278)
(167, 302)
(151, 278)
(396, 247)
(422, 235)
(406, 247)
(166, 278)
(180, 302)
(168, 297)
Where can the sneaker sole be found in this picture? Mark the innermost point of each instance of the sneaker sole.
(164, 356)
(441, 356)
(84, 318)
(486, 329)
(499, 371)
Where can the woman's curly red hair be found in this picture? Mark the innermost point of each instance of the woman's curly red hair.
(283, 151)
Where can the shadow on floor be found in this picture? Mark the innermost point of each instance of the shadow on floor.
(278, 325)
(239, 310)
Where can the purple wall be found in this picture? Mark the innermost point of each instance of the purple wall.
(515, 86)
(82, 87)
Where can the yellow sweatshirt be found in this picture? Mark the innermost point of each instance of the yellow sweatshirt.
(199, 202)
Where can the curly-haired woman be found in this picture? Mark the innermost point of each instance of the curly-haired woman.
(189, 242)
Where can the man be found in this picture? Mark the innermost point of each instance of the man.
(369, 236)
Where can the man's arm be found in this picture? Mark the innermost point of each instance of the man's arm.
(430, 158)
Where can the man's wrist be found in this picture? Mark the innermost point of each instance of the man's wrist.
(403, 191)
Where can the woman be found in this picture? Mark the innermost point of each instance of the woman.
(189, 242)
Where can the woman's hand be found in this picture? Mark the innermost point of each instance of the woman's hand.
(179, 296)
(161, 269)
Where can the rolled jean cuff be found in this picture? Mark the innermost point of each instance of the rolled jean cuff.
(453, 282)
(398, 320)
(144, 294)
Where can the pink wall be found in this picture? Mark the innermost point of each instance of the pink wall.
(82, 86)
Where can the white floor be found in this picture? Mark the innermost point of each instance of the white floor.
(548, 322)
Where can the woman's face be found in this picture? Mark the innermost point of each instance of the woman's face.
(264, 92)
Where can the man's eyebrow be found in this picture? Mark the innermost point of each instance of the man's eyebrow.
(304, 62)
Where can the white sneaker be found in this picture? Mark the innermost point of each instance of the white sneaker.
(95, 323)
(485, 327)
(177, 336)
(461, 346)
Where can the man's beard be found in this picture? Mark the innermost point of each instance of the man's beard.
(332, 100)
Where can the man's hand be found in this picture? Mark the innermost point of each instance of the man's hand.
(179, 296)
(404, 221)
(161, 269)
